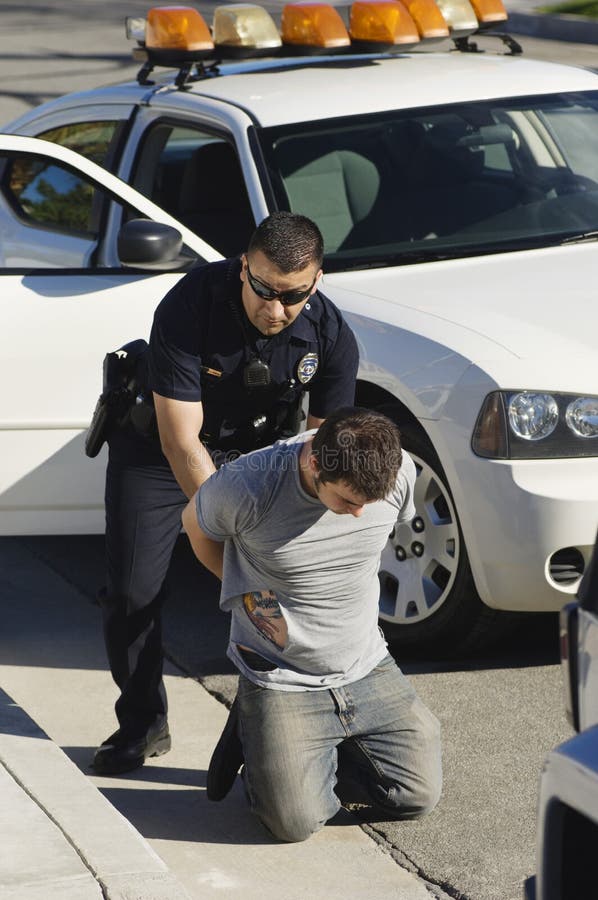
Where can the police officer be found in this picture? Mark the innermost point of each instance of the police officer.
(234, 346)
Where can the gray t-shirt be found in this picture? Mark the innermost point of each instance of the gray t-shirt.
(301, 581)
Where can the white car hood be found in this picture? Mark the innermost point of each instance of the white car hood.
(539, 306)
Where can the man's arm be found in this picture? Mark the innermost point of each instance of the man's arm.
(208, 552)
(179, 424)
(334, 384)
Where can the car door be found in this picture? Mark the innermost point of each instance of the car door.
(65, 301)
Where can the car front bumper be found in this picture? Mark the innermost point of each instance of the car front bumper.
(529, 527)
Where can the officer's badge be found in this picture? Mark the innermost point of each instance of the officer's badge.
(307, 367)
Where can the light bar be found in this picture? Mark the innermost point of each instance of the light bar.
(313, 27)
(376, 24)
(178, 28)
(240, 29)
(460, 17)
(488, 11)
(135, 28)
(178, 36)
(430, 22)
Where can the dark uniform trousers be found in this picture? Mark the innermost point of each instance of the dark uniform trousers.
(143, 519)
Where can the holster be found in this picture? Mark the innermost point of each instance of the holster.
(121, 383)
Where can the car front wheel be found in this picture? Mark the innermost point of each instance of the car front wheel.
(428, 599)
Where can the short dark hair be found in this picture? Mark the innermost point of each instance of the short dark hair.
(360, 447)
(289, 240)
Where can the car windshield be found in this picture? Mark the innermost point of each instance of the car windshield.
(414, 185)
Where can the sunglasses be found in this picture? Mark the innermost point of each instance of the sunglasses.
(287, 298)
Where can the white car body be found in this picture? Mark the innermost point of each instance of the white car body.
(436, 337)
(492, 345)
(47, 485)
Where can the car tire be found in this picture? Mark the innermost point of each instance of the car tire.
(428, 599)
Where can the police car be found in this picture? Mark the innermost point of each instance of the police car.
(457, 192)
(567, 826)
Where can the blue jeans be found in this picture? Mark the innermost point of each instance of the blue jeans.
(389, 749)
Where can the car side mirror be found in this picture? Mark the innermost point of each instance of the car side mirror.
(144, 244)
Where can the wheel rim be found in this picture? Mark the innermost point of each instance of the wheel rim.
(420, 560)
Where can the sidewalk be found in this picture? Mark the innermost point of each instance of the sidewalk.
(524, 20)
(66, 834)
(61, 840)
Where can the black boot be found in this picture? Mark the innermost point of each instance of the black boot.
(122, 751)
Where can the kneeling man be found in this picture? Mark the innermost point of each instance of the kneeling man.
(295, 532)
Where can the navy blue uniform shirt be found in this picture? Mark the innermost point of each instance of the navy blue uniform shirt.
(201, 342)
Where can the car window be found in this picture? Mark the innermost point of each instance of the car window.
(46, 193)
(43, 192)
(424, 184)
(94, 140)
(576, 130)
(49, 214)
(196, 176)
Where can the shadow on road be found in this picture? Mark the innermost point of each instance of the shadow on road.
(532, 640)
(196, 631)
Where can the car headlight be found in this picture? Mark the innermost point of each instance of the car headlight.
(532, 417)
(536, 425)
(582, 416)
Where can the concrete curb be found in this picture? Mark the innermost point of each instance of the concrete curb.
(94, 851)
(573, 29)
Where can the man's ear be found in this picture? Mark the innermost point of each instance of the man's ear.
(243, 266)
(316, 282)
(313, 465)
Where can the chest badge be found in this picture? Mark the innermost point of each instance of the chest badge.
(307, 367)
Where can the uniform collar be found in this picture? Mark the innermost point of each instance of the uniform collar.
(304, 325)
(302, 329)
